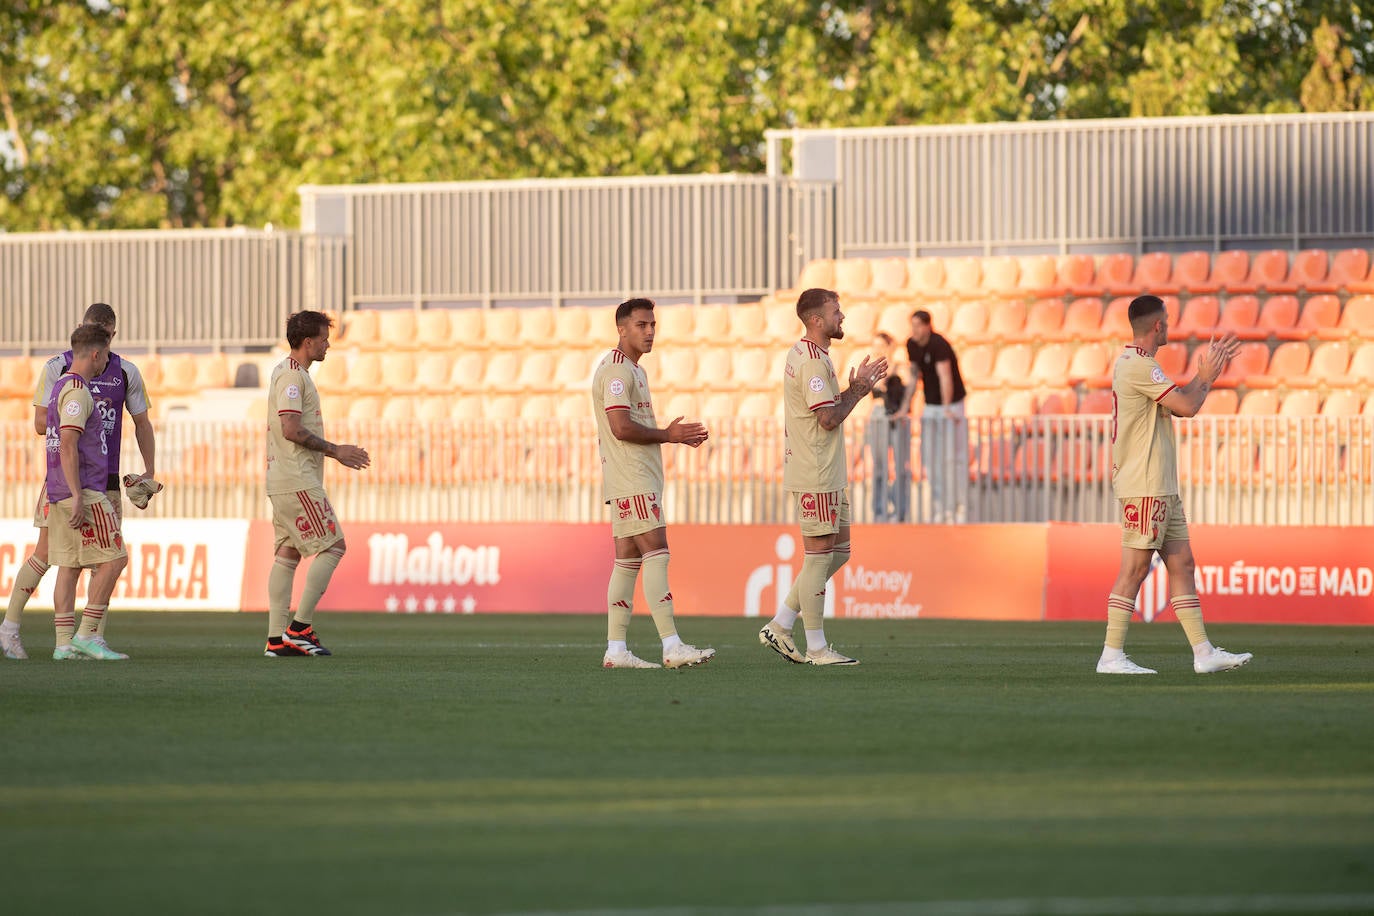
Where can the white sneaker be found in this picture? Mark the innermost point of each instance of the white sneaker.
(1220, 660)
(828, 656)
(781, 643)
(624, 658)
(1122, 665)
(12, 646)
(685, 656)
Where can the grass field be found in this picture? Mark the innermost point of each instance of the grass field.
(441, 765)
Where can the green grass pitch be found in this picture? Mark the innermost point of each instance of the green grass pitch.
(442, 765)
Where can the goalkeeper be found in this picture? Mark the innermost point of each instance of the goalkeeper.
(120, 387)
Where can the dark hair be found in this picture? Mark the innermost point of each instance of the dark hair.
(623, 310)
(99, 313)
(922, 314)
(813, 300)
(89, 337)
(1143, 311)
(884, 337)
(303, 325)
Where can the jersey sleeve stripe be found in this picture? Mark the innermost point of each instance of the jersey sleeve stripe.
(822, 404)
(1165, 392)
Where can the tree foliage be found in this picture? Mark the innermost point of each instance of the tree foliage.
(144, 113)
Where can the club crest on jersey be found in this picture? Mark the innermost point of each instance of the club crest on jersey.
(1157, 376)
(817, 384)
(72, 409)
(293, 392)
(617, 387)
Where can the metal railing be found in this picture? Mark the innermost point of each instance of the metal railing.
(204, 289)
(1233, 470)
(1284, 181)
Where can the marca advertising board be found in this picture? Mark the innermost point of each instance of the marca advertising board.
(174, 564)
(1243, 575)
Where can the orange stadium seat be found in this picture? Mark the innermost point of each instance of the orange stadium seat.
(1288, 361)
(853, 277)
(1329, 366)
(1098, 401)
(925, 276)
(1006, 322)
(212, 371)
(15, 408)
(1050, 367)
(749, 370)
(718, 405)
(503, 328)
(17, 377)
(467, 328)
(1044, 320)
(1091, 366)
(178, 373)
(536, 328)
(1307, 272)
(714, 369)
(572, 325)
(1349, 266)
(1192, 273)
(396, 330)
(964, 277)
(1342, 403)
(711, 326)
(432, 329)
(468, 407)
(1220, 402)
(432, 373)
(677, 370)
(968, 323)
(1318, 313)
(360, 328)
(573, 405)
(783, 327)
(1251, 359)
(365, 374)
(1304, 403)
(1018, 403)
(983, 403)
(1240, 315)
(1278, 318)
(537, 407)
(746, 325)
(398, 407)
(681, 404)
(1077, 273)
(1229, 270)
(1173, 359)
(860, 322)
(468, 368)
(818, 273)
(398, 372)
(501, 371)
(895, 319)
(1114, 275)
(1361, 371)
(1039, 276)
(1198, 319)
(365, 408)
(1366, 285)
(1115, 325)
(1268, 271)
(331, 375)
(574, 369)
(1154, 273)
(1082, 320)
(1259, 403)
(759, 404)
(1357, 320)
(1012, 366)
(432, 408)
(673, 325)
(975, 365)
(889, 276)
(1057, 402)
(940, 317)
(536, 371)
(1002, 276)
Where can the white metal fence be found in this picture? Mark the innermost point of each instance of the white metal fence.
(1233, 470)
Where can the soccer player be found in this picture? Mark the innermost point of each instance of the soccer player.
(1145, 479)
(630, 442)
(119, 387)
(84, 530)
(815, 470)
(303, 520)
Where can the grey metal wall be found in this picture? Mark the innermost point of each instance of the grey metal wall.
(685, 238)
(193, 288)
(1136, 185)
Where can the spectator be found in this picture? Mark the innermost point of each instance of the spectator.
(889, 439)
(944, 432)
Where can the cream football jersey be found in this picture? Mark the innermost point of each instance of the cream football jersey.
(813, 461)
(627, 468)
(1144, 453)
(290, 467)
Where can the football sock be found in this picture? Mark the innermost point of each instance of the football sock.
(616, 645)
(65, 626)
(811, 588)
(1119, 611)
(317, 580)
(279, 582)
(815, 640)
(656, 591)
(671, 642)
(25, 583)
(90, 621)
(786, 617)
(620, 598)
(1188, 609)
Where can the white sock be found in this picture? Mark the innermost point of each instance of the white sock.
(1110, 655)
(671, 642)
(786, 618)
(9, 627)
(1203, 649)
(616, 646)
(815, 640)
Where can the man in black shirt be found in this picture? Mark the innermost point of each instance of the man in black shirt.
(944, 432)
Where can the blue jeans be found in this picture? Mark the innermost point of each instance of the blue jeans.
(890, 499)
